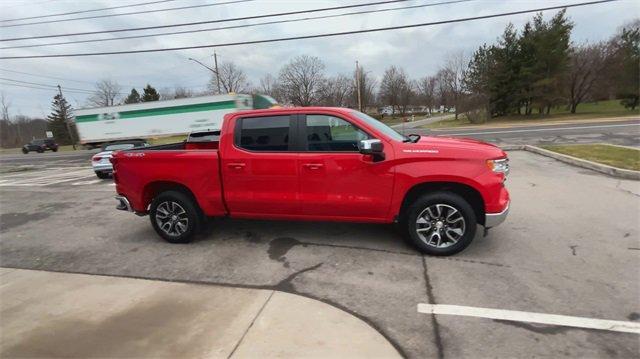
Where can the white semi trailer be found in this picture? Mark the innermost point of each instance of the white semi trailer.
(161, 118)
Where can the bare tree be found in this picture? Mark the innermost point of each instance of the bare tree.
(302, 80)
(182, 92)
(427, 87)
(269, 86)
(232, 78)
(453, 76)
(586, 68)
(396, 89)
(337, 91)
(106, 94)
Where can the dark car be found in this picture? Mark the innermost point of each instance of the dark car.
(40, 146)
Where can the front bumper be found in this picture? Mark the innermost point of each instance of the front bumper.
(494, 219)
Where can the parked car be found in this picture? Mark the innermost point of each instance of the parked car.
(324, 164)
(40, 146)
(100, 161)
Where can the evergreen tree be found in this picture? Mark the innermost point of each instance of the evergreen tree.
(150, 94)
(628, 74)
(61, 114)
(134, 97)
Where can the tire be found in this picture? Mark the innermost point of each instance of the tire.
(173, 203)
(102, 175)
(54, 150)
(447, 215)
(25, 151)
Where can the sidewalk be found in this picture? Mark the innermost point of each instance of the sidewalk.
(424, 121)
(48, 314)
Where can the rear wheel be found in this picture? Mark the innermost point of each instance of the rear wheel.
(25, 151)
(102, 175)
(440, 223)
(175, 216)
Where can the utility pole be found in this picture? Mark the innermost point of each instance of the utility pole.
(215, 63)
(214, 69)
(358, 86)
(66, 121)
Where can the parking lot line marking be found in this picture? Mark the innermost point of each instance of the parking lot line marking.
(530, 317)
(536, 130)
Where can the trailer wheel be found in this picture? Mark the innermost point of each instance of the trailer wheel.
(175, 216)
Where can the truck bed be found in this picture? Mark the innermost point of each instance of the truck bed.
(195, 167)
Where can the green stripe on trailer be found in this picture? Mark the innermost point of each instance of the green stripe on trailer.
(158, 111)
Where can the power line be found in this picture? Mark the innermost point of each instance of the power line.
(124, 14)
(86, 82)
(45, 85)
(309, 36)
(86, 11)
(207, 22)
(45, 76)
(54, 88)
(238, 26)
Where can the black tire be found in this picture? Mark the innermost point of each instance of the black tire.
(192, 214)
(54, 149)
(449, 202)
(102, 175)
(25, 151)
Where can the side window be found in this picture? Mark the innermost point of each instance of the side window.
(263, 133)
(329, 133)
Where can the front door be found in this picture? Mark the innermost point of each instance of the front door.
(259, 169)
(336, 180)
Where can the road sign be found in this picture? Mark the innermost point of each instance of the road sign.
(49, 134)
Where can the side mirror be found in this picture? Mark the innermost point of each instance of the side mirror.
(372, 147)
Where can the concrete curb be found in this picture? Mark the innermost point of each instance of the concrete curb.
(598, 167)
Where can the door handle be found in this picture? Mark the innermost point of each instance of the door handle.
(313, 166)
(236, 166)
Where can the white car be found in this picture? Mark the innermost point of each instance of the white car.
(101, 161)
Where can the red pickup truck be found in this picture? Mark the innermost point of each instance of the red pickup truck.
(320, 164)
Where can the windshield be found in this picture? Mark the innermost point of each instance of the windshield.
(393, 134)
(122, 146)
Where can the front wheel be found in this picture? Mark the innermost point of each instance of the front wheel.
(25, 151)
(54, 150)
(175, 216)
(440, 223)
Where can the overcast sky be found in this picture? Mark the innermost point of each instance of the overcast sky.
(419, 50)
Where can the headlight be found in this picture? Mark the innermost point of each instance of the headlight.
(499, 166)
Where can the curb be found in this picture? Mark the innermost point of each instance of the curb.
(578, 162)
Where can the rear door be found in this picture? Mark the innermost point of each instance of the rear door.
(336, 180)
(259, 167)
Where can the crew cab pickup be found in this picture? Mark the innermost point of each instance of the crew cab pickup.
(320, 164)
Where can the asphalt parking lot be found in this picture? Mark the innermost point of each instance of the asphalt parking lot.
(570, 246)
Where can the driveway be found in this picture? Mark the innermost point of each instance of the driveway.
(570, 246)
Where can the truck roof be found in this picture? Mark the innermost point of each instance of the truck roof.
(343, 110)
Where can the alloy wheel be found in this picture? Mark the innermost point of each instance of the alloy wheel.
(172, 218)
(440, 225)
